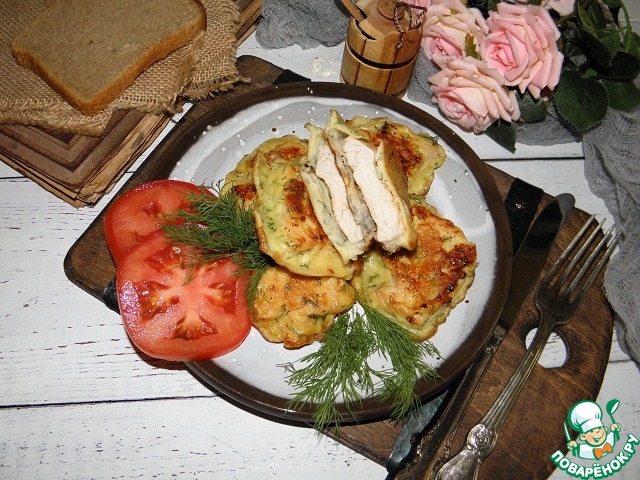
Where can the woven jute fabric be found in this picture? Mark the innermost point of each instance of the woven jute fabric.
(204, 66)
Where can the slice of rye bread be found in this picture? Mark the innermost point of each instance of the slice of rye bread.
(90, 51)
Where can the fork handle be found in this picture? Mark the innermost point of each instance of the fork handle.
(482, 438)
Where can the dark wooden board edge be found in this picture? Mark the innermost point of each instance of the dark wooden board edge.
(580, 378)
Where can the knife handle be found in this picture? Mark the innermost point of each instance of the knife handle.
(431, 447)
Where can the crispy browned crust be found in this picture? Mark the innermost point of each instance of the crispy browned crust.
(390, 166)
(423, 285)
(419, 154)
(406, 150)
(298, 310)
(288, 229)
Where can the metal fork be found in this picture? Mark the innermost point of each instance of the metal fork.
(557, 299)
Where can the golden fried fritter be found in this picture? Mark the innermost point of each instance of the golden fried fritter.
(288, 147)
(418, 289)
(240, 179)
(297, 310)
(288, 229)
(419, 154)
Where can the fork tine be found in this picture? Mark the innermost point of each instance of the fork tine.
(565, 254)
(577, 258)
(592, 257)
(600, 265)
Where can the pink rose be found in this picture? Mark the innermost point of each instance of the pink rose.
(447, 23)
(522, 46)
(472, 95)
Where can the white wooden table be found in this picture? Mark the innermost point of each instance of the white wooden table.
(76, 401)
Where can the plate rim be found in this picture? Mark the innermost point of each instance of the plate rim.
(370, 409)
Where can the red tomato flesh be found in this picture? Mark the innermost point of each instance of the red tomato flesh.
(139, 212)
(175, 311)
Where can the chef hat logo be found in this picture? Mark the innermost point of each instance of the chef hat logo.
(585, 416)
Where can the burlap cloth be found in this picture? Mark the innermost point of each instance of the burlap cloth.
(203, 66)
(611, 151)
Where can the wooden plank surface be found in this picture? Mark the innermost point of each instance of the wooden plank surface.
(578, 379)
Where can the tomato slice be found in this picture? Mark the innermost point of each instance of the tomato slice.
(139, 212)
(175, 311)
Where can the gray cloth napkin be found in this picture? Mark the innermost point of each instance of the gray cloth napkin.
(308, 24)
(612, 150)
(612, 168)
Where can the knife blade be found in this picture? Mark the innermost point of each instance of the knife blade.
(431, 446)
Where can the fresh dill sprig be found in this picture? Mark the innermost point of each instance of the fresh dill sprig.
(219, 226)
(340, 367)
(405, 353)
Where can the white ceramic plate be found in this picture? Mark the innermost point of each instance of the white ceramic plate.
(462, 191)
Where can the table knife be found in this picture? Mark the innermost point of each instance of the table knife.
(431, 446)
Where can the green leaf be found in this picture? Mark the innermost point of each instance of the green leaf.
(592, 18)
(589, 73)
(632, 43)
(586, 22)
(582, 102)
(503, 133)
(600, 45)
(483, 5)
(531, 110)
(470, 47)
(623, 96)
(570, 40)
(624, 66)
(611, 39)
(612, 3)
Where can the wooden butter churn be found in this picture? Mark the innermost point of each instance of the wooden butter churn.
(382, 44)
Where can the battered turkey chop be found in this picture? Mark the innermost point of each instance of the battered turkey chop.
(331, 200)
(240, 179)
(383, 183)
(379, 183)
(418, 289)
(298, 310)
(419, 154)
(288, 229)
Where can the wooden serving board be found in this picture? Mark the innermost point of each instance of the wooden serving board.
(533, 430)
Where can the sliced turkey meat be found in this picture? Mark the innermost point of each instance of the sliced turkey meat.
(383, 183)
(330, 199)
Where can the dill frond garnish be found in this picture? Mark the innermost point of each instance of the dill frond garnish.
(219, 226)
(340, 367)
(406, 355)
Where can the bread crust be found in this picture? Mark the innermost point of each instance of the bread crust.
(93, 104)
